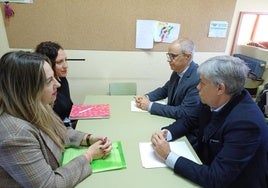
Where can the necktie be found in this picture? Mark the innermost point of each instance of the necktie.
(174, 88)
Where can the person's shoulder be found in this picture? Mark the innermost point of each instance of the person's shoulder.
(63, 79)
(192, 71)
(194, 64)
(15, 126)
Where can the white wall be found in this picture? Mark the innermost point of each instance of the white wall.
(148, 69)
(3, 37)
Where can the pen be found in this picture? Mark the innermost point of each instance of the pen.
(85, 110)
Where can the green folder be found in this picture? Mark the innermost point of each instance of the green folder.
(115, 160)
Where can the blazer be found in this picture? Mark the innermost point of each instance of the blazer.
(186, 98)
(29, 158)
(232, 145)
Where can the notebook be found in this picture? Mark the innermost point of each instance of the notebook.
(90, 111)
(113, 161)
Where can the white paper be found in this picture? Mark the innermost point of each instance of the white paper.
(150, 160)
(134, 107)
(144, 34)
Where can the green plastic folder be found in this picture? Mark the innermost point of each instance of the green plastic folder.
(113, 161)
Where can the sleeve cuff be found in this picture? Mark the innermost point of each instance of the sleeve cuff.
(169, 135)
(150, 106)
(171, 159)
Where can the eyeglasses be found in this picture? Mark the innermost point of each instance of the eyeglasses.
(171, 56)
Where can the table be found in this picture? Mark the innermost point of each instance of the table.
(130, 128)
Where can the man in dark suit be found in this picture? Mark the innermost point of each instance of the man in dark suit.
(232, 136)
(180, 90)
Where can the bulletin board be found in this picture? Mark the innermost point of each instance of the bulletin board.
(111, 24)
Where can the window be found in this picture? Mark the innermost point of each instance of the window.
(252, 29)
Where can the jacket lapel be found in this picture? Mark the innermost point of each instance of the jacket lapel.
(177, 87)
(52, 146)
(218, 118)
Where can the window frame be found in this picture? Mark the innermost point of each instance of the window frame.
(238, 26)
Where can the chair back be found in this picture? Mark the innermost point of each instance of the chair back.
(123, 88)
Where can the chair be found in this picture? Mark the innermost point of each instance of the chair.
(123, 88)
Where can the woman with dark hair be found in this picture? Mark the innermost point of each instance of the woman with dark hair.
(58, 58)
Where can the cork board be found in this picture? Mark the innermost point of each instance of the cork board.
(111, 24)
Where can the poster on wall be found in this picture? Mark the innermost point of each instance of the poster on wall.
(166, 32)
(218, 29)
(150, 31)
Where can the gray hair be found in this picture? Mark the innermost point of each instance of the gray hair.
(231, 71)
(187, 46)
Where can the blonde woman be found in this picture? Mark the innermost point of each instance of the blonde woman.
(32, 136)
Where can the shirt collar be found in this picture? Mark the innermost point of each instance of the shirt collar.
(217, 109)
(183, 72)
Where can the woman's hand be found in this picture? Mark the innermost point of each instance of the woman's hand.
(101, 148)
(93, 139)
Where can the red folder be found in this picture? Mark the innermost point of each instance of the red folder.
(90, 111)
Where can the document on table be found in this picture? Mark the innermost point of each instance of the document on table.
(134, 107)
(150, 160)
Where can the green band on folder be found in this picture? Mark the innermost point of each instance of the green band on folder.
(113, 161)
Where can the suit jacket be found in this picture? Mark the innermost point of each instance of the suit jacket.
(29, 158)
(186, 98)
(232, 145)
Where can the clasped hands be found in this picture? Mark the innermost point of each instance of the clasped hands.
(160, 144)
(100, 147)
(142, 102)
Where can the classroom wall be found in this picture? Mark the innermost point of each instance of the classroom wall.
(3, 37)
(148, 69)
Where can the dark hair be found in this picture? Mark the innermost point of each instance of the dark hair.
(50, 49)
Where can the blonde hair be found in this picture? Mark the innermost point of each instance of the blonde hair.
(22, 81)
